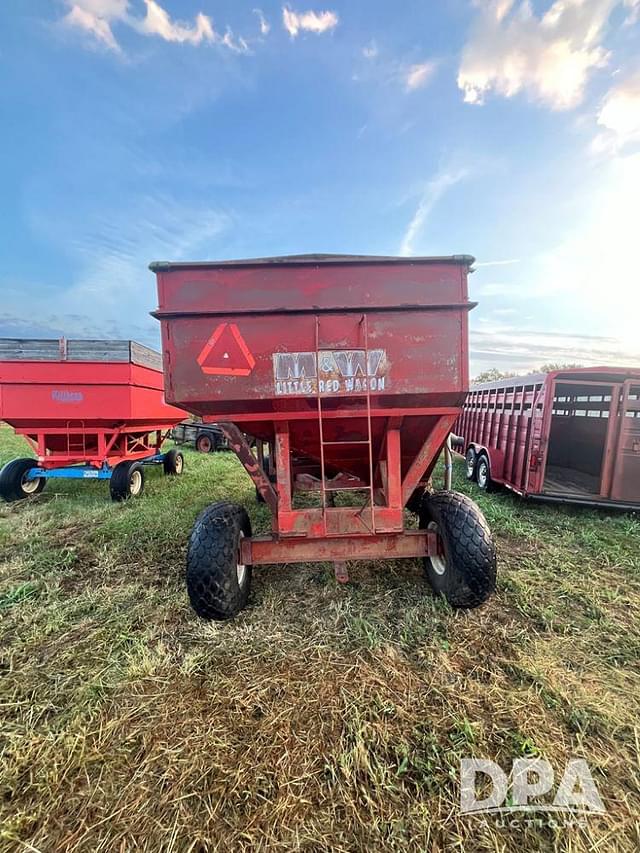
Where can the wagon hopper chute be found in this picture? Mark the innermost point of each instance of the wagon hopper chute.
(349, 372)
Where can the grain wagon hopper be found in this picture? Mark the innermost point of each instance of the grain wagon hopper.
(89, 409)
(349, 372)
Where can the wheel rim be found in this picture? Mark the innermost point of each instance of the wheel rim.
(205, 444)
(438, 561)
(135, 483)
(179, 464)
(482, 474)
(29, 487)
(471, 463)
(241, 569)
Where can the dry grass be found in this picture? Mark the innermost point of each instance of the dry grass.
(325, 717)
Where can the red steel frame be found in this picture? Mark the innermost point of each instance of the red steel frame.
(392, 436)
(516, 439)
(373, 531)
(112, 445)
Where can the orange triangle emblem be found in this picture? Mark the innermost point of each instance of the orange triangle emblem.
(226, 353)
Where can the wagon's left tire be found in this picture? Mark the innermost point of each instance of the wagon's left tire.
(173, 462)
(127, 481)
(217, 582)
(464, 570)
(14, 485)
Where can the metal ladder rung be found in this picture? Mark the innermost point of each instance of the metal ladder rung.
(346, 488)
(334, 443)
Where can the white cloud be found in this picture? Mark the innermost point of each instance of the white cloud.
(620, 111)
(501, 263)
(433, 192)
(97, 18)
(265, 26)
(158, 23)
(313, 22)
(551, 57)
(370, 51)
(512, 347)
(98, 27)
(418, 75)
(111, 291)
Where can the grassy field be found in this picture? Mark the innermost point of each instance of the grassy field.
(324, 717)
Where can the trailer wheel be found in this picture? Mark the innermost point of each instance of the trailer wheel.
(217, 583)
(127, 481)
(14, 485)
(204, 443)
(470, 462)
(173, 462)
(464, 572)
(483, 474)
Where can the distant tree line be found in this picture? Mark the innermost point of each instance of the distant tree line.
(493, 374)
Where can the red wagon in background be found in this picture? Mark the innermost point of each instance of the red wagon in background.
(568, 436)
(349, 372)
(89, 409)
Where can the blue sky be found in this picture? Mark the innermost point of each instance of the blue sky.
(135, 130)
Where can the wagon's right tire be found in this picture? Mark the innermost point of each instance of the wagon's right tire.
(127, 481)
(464, 570)
(14, 485)
(217, 583)
(470, 461)
(205, 443)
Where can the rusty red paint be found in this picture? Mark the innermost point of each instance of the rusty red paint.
(263, 550)
(360, 369)
(254, 467)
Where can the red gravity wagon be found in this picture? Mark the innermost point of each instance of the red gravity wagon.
(89, 410)
(349, 372)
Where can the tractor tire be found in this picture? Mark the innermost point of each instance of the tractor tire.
(173, 462)
(127, 481)
(471, 461)
(205, 443)
(465, 571)
(483, 474)
(14, 485)
(217, 584)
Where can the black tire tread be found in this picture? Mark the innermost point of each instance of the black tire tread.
(469, 546)
(119, 482)
(169, 461)
(212, 582)
(11, 476)
(205, 436)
